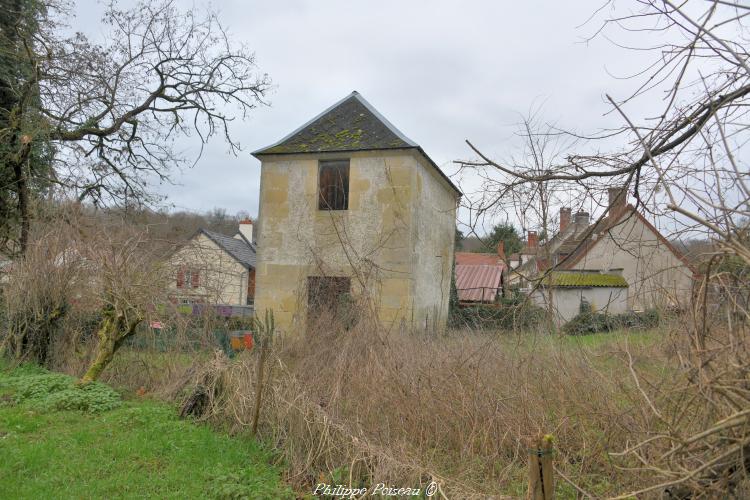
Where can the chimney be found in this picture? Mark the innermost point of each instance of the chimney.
(532, 242)
(246, 229)
(501, 250)
(564, 218)
(582, 220)
(617, 198)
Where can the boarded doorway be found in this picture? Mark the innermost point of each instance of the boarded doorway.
(324, 296)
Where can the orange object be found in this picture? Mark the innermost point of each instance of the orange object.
(236, 343)
(248, 340)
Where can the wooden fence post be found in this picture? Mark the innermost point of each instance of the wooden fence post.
(541, 480)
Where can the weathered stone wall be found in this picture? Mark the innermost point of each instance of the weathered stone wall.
(223, 280)
(374, 242)
(434, 232)
(656, 276)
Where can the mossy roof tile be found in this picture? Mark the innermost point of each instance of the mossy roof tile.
(351, 124)
(578, 280)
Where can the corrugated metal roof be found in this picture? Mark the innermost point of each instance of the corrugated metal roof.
(478, 283)
(585, 280)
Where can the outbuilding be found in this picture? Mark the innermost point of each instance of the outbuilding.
(567, 291)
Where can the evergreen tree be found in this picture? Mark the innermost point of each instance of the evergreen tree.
(506, 233)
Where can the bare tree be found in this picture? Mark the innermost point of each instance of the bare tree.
(532, 203)
(684, 162)
(111, 110)
(128, 285)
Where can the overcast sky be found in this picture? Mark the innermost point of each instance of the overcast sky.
(441, 71)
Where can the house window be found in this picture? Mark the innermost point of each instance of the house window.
(325, 294)
(333, 185)
(188, 278)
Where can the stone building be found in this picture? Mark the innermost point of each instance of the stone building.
(351, 208)
(604, 293)
(213, 268)
(625, 243)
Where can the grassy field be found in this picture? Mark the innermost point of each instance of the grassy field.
(140, 449)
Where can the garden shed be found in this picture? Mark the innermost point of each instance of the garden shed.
(601, 292)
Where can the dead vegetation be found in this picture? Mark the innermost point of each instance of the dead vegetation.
(662, 411)
(362, 406)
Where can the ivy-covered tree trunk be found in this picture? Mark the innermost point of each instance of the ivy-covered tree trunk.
(25, 156)
(454, 311)
(115, 328)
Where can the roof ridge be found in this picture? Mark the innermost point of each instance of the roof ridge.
(383, 119)
(307, 123)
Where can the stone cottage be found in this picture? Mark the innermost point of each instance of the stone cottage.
(216, 269)
(352, 208)
(624, 243)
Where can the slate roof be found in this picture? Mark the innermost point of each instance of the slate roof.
(584, 280)
(352, 124)
(478, 283)
(240, 249)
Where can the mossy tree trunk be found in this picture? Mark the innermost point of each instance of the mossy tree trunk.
(115, 328)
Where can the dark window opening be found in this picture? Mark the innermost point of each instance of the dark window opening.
(333, 185)
(325, 294)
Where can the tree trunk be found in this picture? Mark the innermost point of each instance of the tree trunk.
(23, 203)
(112, 333)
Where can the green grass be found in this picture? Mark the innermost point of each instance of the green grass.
(137, 450)
(617, 337)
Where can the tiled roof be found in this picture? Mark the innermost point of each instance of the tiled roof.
(582, 244)
(240, 249)
(471, 258)
(478, 283)
(352, 124)
(584, 280)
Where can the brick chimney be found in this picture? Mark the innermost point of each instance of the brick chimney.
(532, 241)
(618, 198)
(564, 218)
(501, 250)
(246, 229)
(582, 220)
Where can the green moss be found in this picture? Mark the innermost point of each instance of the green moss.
(584, 280)
(346, 139)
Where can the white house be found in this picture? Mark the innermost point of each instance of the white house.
(213, 268)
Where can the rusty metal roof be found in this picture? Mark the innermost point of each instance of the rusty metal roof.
(478, 283)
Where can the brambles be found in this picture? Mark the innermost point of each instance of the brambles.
(594, 322)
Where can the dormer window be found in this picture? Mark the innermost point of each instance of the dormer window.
(333, 185)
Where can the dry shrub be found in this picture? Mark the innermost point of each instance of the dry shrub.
(39, 294)
(363, 406)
